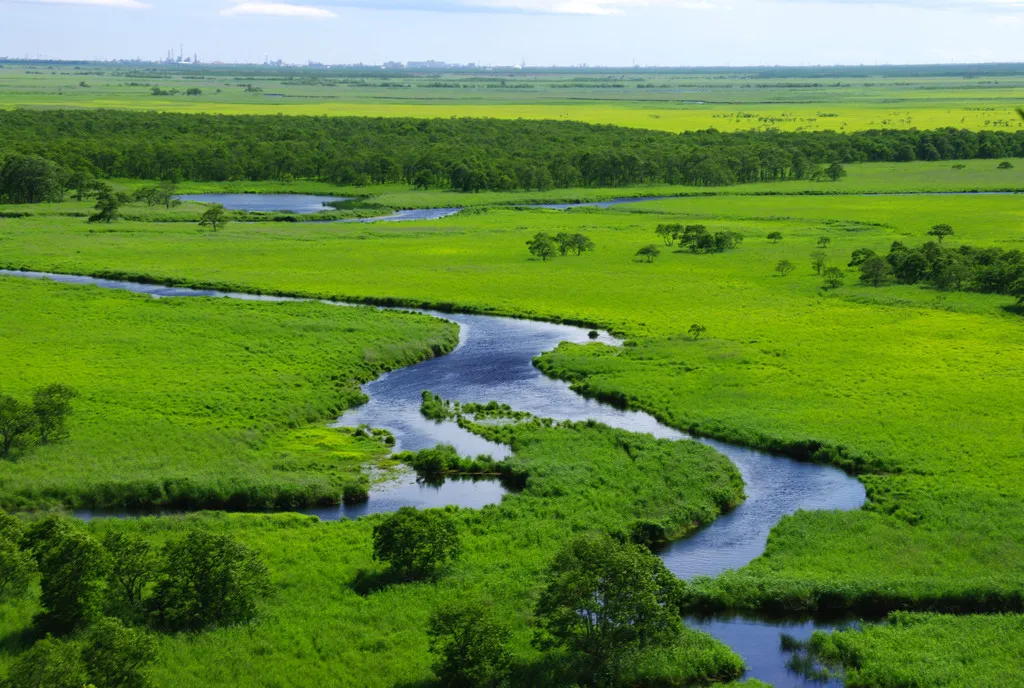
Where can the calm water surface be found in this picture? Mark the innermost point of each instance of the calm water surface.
(494, 361)
(301, 204)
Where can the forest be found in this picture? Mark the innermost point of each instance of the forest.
(461, 154)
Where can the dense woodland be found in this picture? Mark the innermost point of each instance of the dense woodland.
(461, 154)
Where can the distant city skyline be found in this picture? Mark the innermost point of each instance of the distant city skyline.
(508, 32)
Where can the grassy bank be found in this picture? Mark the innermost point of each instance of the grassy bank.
(325, 623)
(196, 403)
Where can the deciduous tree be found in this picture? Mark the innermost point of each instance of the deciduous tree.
(469, 645)
(416, 543)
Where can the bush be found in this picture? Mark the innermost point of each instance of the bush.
(416, 543)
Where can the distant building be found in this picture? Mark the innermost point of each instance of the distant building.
(393, 65)
(428, 64)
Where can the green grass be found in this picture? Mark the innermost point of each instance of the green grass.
(680, 101)
(196, 403)
(917, 390)
(926, 650)
(316, 629)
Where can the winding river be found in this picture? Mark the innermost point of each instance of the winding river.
(494, 361)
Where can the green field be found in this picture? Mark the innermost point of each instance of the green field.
(675, 101)
(171, 416)
(912, 388)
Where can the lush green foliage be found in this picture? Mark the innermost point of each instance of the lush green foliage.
(469, 643)
(231, 431)
(207, 580)
(416, 543)
(606, 603)
(926, 650)
(322, 626)
(461, 154)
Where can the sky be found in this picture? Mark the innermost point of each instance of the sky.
(537, 32)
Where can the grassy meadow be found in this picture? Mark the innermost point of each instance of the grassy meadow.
(196, 403)
(328, 621)
(675, 101)
(913, 389)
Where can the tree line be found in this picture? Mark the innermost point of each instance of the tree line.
(460, 154)
(989, 270)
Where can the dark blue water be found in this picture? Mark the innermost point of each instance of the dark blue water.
(494, 362)
(300, 204)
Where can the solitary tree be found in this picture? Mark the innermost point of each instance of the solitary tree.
(823, 242)
(648, 253)
(775, 237)
(818, 261)
(108, 205)
(940, 232)
(696, 331)
(215, 216)
(784, 268)
(469, 644)
(416, 543)
(541, 245)
(835, 172)
(606, 600)
(833, 277)
(207, 580)
(52, 406)
(876, 271)
(17, 424)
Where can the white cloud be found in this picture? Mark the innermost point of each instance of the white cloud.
(122, 4)
(278, 9)
(585, 6)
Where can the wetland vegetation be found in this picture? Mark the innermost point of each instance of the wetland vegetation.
(900, 366)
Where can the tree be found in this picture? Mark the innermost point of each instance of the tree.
(416, 543)
(1005, 165)
(580, 244)
(167, 193)
(116, 656)
(668, 233)
(940, 232)
(215, 216)
(564, 241)
(469, 644)
(833, 277)
(16, 568)
(108, 205)
(835, 172)
(876, 271)
(49, 663)
(818, 261)
(648, 253)
(696, 331)
(132, 567)
(207, 580)
(823, 242)
(775, 237)
(52, 406)
(17, 424)
(784, 268)
(696, 238)
(860, 256)
(541, 245)
(604, 600)
(73, 566)
(29, 179)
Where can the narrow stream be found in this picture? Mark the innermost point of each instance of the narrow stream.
(494, 361)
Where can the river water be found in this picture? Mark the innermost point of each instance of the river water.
(494, 361)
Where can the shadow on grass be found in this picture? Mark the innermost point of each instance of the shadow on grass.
(368, 582)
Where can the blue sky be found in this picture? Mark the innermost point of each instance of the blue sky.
(564, 32)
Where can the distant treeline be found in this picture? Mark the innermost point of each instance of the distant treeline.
(462, 154)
